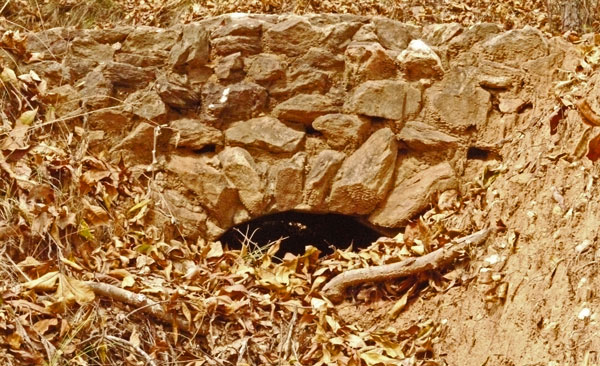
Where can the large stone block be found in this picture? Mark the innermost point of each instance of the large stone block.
(192, 48)
(516, 46)
(367, 61)
(292, 37)
(322, 169)
(285, 182)
(202, 176)
(193, 134)
(266, 133)
(459, 101)
(389, 99)
(419, 136)
(304, 108)
(365, 176)
(342, 131)
(235, 102)
(241, 170)
(411, 196)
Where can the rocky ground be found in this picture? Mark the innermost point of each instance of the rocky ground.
(129, 150)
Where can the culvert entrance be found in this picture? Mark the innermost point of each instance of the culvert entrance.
(323, 231)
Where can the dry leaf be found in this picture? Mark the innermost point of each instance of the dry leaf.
(27, 118)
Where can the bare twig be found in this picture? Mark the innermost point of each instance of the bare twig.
(149, 360)
(335, 288)
(140, 301)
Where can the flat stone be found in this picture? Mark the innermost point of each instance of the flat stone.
(285, 182)
(322, 169)
(495, 81)
(50, 44)
(321, 59)
(241, 170)
(240, 101)
(175, 94)
(302, 81)
(366, 34)
(109, 36)
(393, 34)
(365, 176)
(339, 35)
(231, 44)
(149, 40)
(367, 61)
(193, 47)
(441, 34)
(419, 61)
(342, 131)
(125, 75)
(201, 175)
(266, 133)
(304, 108)
(136, 147)
(141, 60)
(112, 121)
(419, 136)
(78, 67)
(458, 100)
(389, 99)
(239, 27)
(292, 37)
(511, 105)
(193, 134)
(472, 35)
(96, 91)
(87, 48)
(516, 46)
(413, 195)
(146, 104)
(230, 67)
(265, 68)
(54, 73)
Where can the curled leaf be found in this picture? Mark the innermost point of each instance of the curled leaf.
(27, 117)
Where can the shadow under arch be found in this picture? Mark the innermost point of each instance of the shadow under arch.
(323, 231)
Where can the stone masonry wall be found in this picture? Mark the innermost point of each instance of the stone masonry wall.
(256, 114)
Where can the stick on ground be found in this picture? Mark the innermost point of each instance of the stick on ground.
(335, 289)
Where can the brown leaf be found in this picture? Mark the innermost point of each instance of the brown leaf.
(594, 148)
(589, 115)
(42, 326)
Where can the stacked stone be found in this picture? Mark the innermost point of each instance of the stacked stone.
(256, 114)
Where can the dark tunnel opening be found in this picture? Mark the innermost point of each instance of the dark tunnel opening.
(323, 231)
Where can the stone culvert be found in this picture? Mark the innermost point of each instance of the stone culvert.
(257, 114)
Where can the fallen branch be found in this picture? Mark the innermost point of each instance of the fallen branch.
(140, 301)
(334, 289)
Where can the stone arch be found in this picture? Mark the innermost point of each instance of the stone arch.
(249, 115)
(298, 230)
